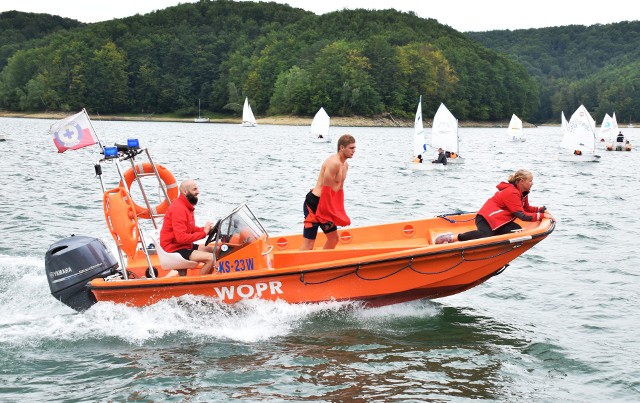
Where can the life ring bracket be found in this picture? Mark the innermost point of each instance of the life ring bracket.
(166, 180)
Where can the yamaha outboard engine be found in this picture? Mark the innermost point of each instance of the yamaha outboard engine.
(71, 263)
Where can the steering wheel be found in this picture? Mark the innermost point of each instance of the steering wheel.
(212, 233)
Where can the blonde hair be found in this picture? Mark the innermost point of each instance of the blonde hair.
(519, 175)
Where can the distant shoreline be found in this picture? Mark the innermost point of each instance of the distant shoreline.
(354, 121)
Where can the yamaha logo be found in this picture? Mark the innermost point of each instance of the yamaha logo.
(60, 272)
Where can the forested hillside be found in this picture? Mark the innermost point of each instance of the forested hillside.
(286, 60)
(20, 30)
(598, 66)
(290, 61)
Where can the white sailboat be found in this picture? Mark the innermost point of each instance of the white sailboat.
(420, 161)
(616, 140)
(515, 132)
(563, 123)
(419, 145)
(579, 138)
(248, 120)
(320, 127)
(444, 134)
(200, 119)
(608, 128)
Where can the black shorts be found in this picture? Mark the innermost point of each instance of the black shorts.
(186, 253)
(311, 202)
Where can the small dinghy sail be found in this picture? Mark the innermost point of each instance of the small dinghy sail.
(608, 128)
(419, 162)
(320, 127)
(248, 120)
(579, 138)
(515, 131)
(563, 123)
(200, 119)
(444, 134)
(419, 145)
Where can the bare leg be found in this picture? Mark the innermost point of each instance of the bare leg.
(204, 254)
(207, 268)
(307, 244)
(332, 240)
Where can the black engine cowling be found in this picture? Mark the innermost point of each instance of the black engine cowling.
(71, 263)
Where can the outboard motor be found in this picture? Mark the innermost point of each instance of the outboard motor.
(71, 263)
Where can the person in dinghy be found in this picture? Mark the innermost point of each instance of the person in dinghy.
(324, 204)
(442, 158)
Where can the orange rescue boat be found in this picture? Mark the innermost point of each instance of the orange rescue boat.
(378, 264)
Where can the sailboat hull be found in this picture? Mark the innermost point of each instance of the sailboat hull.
(426, 166)
(578, 158)
(618, 147)
(455, 161)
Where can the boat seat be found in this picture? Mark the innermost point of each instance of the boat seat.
(170, 261)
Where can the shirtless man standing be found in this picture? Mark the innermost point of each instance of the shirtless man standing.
(324, 204)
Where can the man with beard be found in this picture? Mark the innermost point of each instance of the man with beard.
(179, 231)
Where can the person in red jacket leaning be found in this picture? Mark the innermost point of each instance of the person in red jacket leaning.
(497, 215)
(179, 231)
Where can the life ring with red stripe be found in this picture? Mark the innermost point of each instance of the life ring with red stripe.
(167, 178)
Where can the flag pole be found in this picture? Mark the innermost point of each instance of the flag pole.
(92, 128)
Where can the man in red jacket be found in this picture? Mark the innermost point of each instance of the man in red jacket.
(179, 231)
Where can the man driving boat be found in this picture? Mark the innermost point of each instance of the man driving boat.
(179, 231)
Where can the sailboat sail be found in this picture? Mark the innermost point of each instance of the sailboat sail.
(563, 124)
(515, 132)
(200, 119)
(419, 145)
(580, 133)
(445, 130)
(608, 128)
(320, 125)
(248, 120)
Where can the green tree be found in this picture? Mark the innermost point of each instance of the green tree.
(291, 93)
(107, 79)
(342, 83)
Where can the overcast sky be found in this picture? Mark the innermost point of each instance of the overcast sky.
(468, 15)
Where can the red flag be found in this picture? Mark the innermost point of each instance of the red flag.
(73, 132)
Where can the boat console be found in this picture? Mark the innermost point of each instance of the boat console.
(241, 242)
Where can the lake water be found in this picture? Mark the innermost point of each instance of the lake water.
(560, 324)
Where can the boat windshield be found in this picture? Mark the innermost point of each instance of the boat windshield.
(242, 223)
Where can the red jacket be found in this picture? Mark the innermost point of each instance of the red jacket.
(500, 208)
(179, 230)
